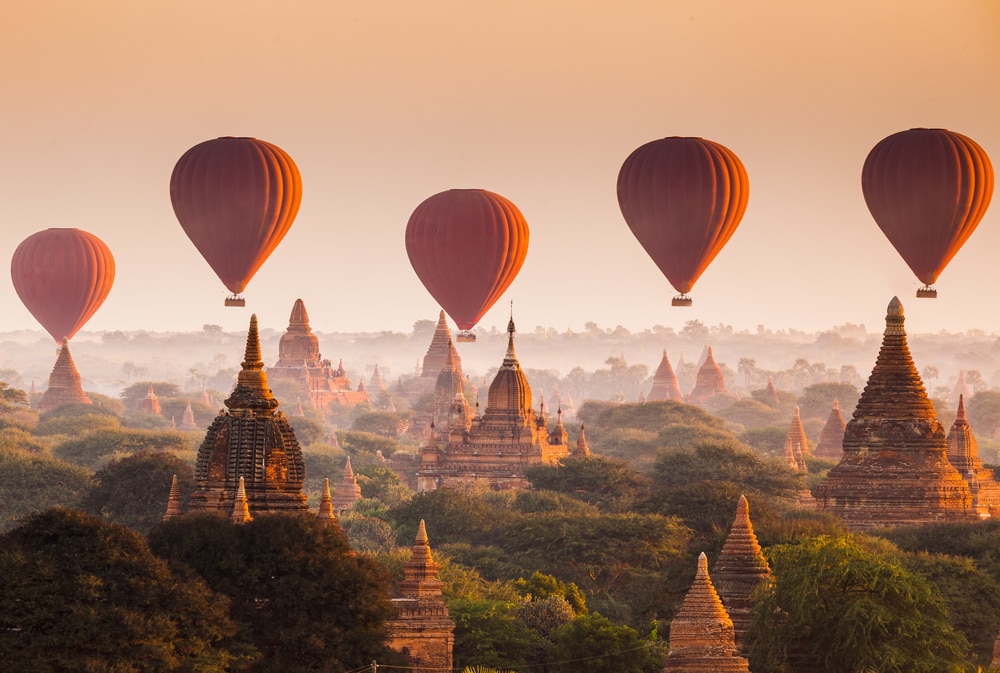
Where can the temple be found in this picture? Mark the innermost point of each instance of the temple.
(250, 446)
(710, 381)
(187, 418)
(770, 393)
(895, 468)
(299, 359)
(151, 403)
(796, 440)
(701, 633)
(64, 383)
(665, 386)
(492, 449)
(963, 453)
(449, 396)
(831, 437)
(740, 568)
(348, 492)
(440, 350)
(421, 628)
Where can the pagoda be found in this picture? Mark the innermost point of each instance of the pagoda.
(151, 403)
(435, 359)
(665, 386)
(250, 446)
(421, 627)
(831, 437)
(740, 568)
(770, 393)
(961, 388)
(963, 453)
(299, 359)
(702, 639)
(895, 469)
(64, 383)
(347, 492)
(187, 418)
(376, 384)
(797, 438)
(494, 448)
(448, 388)
(710, 381)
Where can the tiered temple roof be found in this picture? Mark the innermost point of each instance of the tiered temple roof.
(422, 627)
(796, 438)
(701, 633)
(831, 438)
(376, 384)
(448, 387)
(665, 386)
(440, 349)
(895, 468)
(64, 383)
(710, 381)
(740, 568)
(151, 403)
(963, 453)
(498, 445)
(347, 492)
(250, 441)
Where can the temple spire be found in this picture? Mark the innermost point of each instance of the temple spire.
(582, 449)
(326, 503)
(241, 508)
(65, 385)
(173, 501)
(740, 568)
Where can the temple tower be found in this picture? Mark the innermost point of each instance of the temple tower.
(895, 468)
(710, 381)
(436, 359)
(770, 392)
(187, 418)
(740, 568)
(64, 383)
(252, 442)
(831, 438)
(347, 492)
(665, 386)
(422, 628)
(963, 453)
(701, 633)
(797, 438)
(151, 403)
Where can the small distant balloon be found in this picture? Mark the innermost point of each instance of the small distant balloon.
(927, 190)
(62, 277)
(235, 198)
(683, 199)
(466, 246)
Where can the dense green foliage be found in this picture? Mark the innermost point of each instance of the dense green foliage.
(32, 483)
(90, 449)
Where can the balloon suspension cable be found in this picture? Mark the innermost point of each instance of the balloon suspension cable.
(236, 300)
(927, 292)
(681, 300)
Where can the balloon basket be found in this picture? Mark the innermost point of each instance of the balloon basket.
(465, 336)
(927, 292)
(235, 300)
(682, 300)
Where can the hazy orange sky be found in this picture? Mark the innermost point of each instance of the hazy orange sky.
(382, 104)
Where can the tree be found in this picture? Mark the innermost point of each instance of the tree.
(12, 399)
(298, 592)
(136, 393)
(984, 412)
(133, 490)
(365, 443)
(488, 633)
(80, 595)
(382, 423)
(594, 644)
(841, 605)
(612, 485)
(747, 367)
(32, 483)
(91, 449)
(817, 400)
(452, 516)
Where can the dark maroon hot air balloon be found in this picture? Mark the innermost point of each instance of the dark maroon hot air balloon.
(236, 199)
(466, 246)
(683, 198)
(62, 276)
(927, 189)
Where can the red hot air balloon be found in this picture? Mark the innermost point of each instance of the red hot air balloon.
(683, 198)
(466, 246)
(62, 276)
(927, 189)
(236, 199)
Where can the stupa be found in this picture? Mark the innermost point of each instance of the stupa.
(961, 388)
(494, 448)
(421, 628)
(665, 386)
(436, 359)
(299, 359)
(797, 438)
(347, 492)
(702, 639)
(581, 449)
(187, 418)
(151, 403)
(831, 437)
(963, 453)
(64, 383)
(770, 392)
(710, 381)
(448, 387)
(376, 384)
(895, 468)
(740, 568)
(252, 442)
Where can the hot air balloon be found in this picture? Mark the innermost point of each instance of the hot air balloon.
(927, 189)
(682, 198)
(466, 246)
(235, 198)
(62, 276)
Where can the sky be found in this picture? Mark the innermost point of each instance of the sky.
(382, 104)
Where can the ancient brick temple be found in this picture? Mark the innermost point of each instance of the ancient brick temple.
(796, 438)
(438, 353)
(348, 492)
(701, 633)
(895, 468)
(963, 453)
(770, 391)
(422, 629)
(710, 381)
(665, 386)
(64, 383)
(151, 403)
(831, 437)
(449, 399)
(250, 440)
(740, 568)
(494, 448)
(299, 359)
(187, 419)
